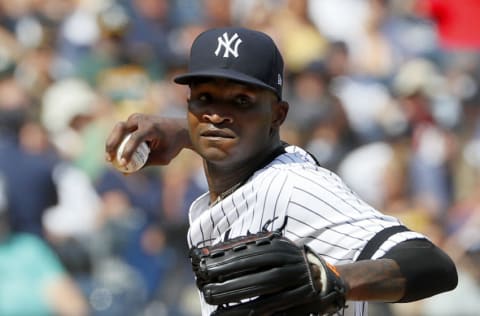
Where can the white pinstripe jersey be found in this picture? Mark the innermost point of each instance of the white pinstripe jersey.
(313, 203)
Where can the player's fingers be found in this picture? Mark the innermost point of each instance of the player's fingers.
(114, 139)
(118, 133)
(135, 139)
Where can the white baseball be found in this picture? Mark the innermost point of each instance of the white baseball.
(139, 157)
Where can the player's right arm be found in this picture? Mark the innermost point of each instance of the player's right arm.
(166, 137)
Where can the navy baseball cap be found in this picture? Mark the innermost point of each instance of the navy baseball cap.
(236, 53)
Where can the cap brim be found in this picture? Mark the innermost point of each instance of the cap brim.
(222, 73)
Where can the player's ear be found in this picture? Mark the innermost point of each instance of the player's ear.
(280, 111)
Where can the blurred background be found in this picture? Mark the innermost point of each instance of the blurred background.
(383, 92)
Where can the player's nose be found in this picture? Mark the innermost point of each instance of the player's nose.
(217, 115)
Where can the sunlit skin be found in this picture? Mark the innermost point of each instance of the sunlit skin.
(233, 127)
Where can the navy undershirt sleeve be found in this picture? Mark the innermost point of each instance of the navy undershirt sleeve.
(428, 269)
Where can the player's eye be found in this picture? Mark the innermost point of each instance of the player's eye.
(199, 100)
(204, 98)
(243, 101)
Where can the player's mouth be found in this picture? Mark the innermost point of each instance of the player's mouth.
(217, 134)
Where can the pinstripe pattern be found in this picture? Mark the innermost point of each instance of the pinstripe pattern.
(311, 204)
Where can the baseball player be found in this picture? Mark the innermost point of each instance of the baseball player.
(276, 234)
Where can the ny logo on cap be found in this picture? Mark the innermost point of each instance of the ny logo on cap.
(226, 43)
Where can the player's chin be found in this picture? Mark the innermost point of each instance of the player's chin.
(217, 150)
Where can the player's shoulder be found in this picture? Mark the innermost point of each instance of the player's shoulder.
(302, 169)
(293, 157)
(298, 161)
(299, 154)
(298, 166)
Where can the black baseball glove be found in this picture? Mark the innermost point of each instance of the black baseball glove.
(266, 274)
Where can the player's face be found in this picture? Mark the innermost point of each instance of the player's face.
(230, 122)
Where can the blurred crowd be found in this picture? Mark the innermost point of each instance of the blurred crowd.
(384, 92)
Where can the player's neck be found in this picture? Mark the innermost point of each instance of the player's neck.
(224, 181)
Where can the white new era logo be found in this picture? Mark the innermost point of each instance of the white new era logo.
(226, 43)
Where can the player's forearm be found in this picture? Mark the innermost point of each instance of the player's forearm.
(373, 280)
